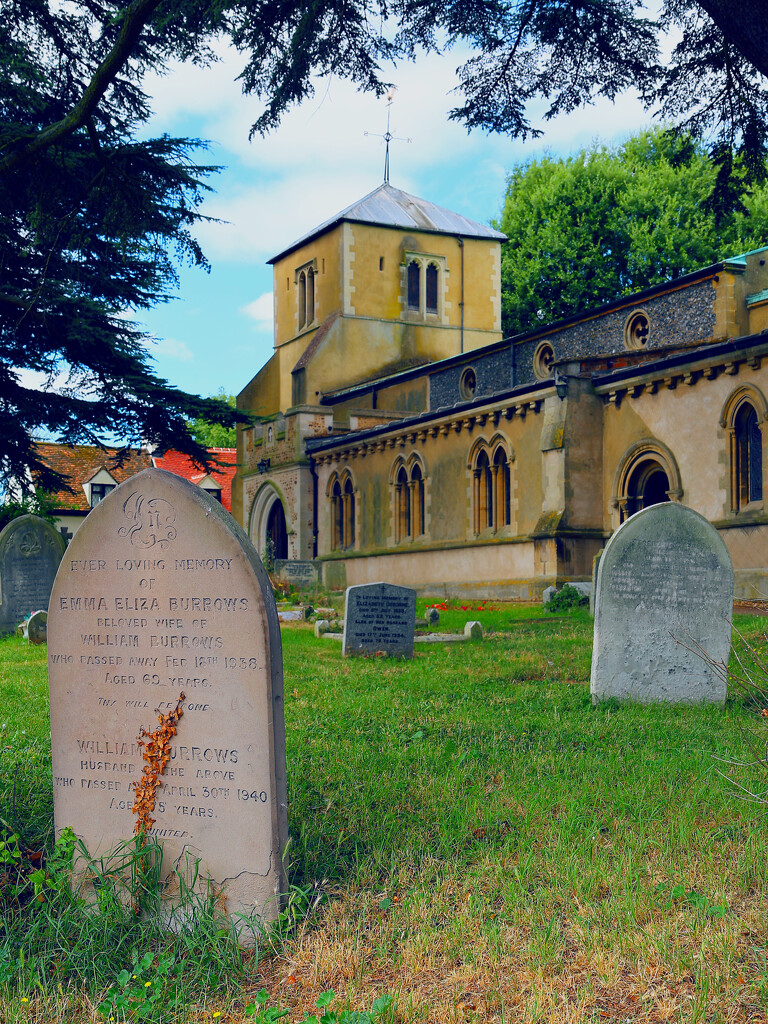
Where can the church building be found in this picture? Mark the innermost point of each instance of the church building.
(401, 437)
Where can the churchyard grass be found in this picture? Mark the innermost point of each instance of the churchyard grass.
(468, 835)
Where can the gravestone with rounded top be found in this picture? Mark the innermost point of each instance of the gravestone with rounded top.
(161, 597)
(664, 590)
(379, 618)
(37, 628)
(30, 552)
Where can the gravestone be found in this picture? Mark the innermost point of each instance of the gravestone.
(379, 618)
(593, 591)
(30, 552)
(302, 574)
(162, 594)
(37, 628)
(664, 584)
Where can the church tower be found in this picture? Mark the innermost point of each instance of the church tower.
(390, 283)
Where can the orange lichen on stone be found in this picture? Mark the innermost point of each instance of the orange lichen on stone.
(156, 754)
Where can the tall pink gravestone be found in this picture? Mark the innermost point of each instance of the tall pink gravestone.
(161, 593)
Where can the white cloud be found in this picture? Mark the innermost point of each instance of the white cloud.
(318, 160)
(171, 348)
(261, 310)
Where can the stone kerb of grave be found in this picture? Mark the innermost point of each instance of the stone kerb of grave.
(664, 584)
(30, 552)
(161, 593)
(379, 618)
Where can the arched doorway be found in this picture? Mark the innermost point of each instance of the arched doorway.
(646, 475)
(648, 484)
(277, 531)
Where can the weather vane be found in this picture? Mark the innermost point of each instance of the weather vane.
(388, 136)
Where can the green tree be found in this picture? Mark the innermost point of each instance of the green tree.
(213, 435)
(607, 222)
(35, 504)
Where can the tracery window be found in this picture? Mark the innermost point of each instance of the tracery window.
(305, 295)
(409, 506)
(491, 486)
(342, 500)
(423, 283)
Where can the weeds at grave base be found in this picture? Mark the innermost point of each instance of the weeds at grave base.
(82, 930)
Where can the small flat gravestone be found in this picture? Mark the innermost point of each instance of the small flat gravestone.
(379, 618)
(30, 552)
(160, 595)
(664, 585)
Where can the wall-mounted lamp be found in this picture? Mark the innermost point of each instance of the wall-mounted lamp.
(561, 385)
(263, 465)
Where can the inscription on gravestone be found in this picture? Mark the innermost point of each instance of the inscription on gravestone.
(664, 576)
(379, 617)
(161, 593)
(302, 574)
(30, 552)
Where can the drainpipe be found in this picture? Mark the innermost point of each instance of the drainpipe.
(461, 304)
(313, 471)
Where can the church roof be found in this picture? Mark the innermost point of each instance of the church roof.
(392, 208)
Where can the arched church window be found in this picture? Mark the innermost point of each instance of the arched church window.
(743, 415)
(431, 283)
(749, 455)
(502, 487)
(348, 539)
(402, 505)
(309, 311)
(483, 493)
(414, 286)
(302, 299)
(408, 484)
(417, 500)
(490, 464)
(337, 516)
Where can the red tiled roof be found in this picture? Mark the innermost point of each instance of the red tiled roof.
(78, 463)
(182, 465)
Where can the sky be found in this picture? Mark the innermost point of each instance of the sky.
(217, 332)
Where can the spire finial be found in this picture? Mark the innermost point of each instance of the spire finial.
(388, 136)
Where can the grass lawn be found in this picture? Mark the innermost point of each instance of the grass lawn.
(469, 835)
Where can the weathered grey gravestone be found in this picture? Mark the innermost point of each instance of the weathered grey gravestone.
(665, 571)
(379, 617)
(162, 594)
(302, 574)
(30, 552)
